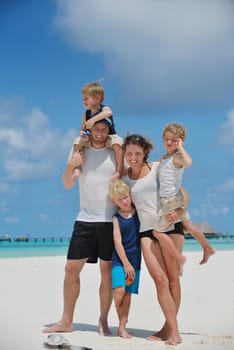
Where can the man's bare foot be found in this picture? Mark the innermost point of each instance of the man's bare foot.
(124, 334)
(182, 261)
(103, 328)
(59, 327)
(207, 252)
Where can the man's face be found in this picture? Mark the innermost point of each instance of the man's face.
(100, 133)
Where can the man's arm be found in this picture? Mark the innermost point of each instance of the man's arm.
(77, 159)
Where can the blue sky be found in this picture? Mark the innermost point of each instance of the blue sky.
(161, 61)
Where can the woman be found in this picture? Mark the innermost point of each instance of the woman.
(142, 179)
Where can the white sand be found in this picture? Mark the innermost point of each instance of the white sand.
(31, 297)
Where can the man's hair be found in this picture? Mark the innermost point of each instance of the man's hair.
(117, 189)
(176, 129)
(93, 89)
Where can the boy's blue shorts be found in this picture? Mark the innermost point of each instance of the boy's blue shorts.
(119, 280)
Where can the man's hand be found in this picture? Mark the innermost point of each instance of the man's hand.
(77, 159)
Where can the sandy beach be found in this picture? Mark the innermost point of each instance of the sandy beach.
(31, 298)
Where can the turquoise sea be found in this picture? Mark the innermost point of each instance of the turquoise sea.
(58, 246)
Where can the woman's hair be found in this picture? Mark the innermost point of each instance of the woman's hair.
(176, 129)
(118, 188)
(93, 89)
(139, 140)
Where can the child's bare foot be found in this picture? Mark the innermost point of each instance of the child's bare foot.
(207, 252)
(124, 334)
(181, 263)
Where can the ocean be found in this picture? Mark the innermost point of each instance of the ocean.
(36, 247)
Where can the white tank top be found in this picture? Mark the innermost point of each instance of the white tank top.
(170, 178)
(144, 194)
(94, 179)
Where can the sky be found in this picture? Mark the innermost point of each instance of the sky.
(160, 61)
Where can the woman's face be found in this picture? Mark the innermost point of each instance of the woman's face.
(134, 155)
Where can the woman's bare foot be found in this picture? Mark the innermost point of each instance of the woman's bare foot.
(207, 252)
(173, 339)
(124, 334)
(59, 327)
(103, 328)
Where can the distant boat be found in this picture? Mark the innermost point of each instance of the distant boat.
(21, 238)
(5, 238)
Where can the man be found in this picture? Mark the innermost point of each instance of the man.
(93, 231)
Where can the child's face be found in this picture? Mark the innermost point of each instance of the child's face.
(170, 142)
(90, 102)
(123, 201)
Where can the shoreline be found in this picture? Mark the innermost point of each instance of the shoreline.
(31, 298)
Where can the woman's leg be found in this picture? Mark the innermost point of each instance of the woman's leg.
(154, 262)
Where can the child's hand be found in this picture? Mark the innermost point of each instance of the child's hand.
(129, 271)
(180, 144)
(89, 124)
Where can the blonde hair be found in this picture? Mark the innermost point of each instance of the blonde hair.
(177, 129)
(93, 89)
(117, 189)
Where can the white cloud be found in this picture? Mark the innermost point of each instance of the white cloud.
(44, 216)
(226, 136)
(166, 52)
(12, 219)
(31, 148)
(215, 202)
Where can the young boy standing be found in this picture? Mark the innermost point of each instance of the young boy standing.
(126, 257)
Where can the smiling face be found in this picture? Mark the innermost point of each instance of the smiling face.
(99, 134)
(134, 155)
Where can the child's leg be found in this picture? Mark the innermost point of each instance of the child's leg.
(208, 250)
(115, 142)
(169, 246)
(119, 161)
(122, 301)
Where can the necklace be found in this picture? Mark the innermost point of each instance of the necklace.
(140, 173)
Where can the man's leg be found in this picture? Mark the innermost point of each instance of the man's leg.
(71, 291)
(105, 294)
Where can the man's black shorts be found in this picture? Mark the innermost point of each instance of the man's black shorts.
(91, 239)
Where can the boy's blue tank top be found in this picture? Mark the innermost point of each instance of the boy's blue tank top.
(130, 239)
(89, 116)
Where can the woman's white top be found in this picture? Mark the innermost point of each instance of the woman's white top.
(145, 196)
